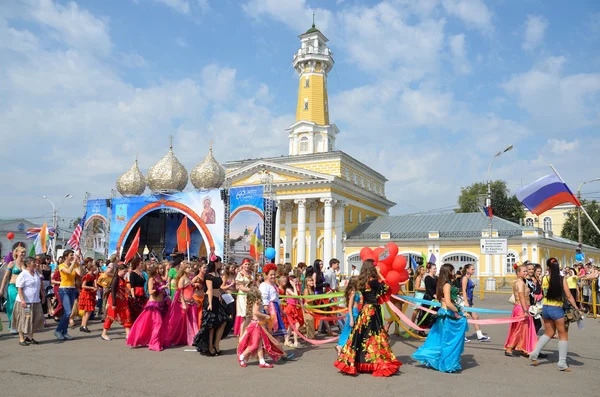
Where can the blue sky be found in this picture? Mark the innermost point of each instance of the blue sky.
(424, 92)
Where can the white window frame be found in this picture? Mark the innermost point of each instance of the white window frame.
(509, 262)
(307, 82)
(303, 144)
(305, 103)
(529, 222)
(548, 227)
(350, 215)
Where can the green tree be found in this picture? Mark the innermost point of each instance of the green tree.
(588, 233)
(503, 204)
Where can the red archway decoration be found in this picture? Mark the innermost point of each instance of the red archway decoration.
(171, 204)
(93, 217)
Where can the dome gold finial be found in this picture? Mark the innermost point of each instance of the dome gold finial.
(132, 182)
(209, 174)
(168, 174)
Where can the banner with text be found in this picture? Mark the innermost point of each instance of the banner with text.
(247, 212)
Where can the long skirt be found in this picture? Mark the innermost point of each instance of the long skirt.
(151, 327)
(444, 344)
(137, 304)
(276, 325)
(522, 335)
(183, 324)
(347, 328)
(254, 333)
(199, 302)
(10, 302)
(240, 317)
(367, 348)
(212, 319)
(28, 325)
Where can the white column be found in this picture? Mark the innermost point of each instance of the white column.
(312, 227)
(339, 231)
(328, 230)
(301, 250)
(277, 238)
(287, 252)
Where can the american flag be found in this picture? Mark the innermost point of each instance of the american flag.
(74, 240)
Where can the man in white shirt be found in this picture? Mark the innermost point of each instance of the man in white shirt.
(354, 271)
(331, 274)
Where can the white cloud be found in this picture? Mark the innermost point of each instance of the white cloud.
(186, 7)
(556, 101)
(134, 60)
(74, 26)
(535, 28)
(473, 13)
(295, 13)
(561, 146)
(459, 54)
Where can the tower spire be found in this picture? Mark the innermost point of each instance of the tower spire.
(313, 25)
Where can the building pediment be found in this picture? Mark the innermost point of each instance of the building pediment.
(251, 174)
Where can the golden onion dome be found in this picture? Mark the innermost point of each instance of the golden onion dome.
(168, 175)
(132, 183)
(209, 174)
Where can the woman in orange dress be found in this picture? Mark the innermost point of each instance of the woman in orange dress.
(118, 304)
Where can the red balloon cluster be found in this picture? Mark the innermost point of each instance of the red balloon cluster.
(391, 265)
(10, 235)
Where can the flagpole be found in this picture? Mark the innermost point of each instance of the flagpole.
(188, 250)
(580, 206)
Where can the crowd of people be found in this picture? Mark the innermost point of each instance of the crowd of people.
(162, 304)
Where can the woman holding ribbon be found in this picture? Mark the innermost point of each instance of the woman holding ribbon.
(183, 313)
(352, 298)
(367, 348)
(243, 281)
(446, 340)
(521, 335)
(270, 300)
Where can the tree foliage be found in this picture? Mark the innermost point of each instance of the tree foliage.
(589, 234)
(504, 205)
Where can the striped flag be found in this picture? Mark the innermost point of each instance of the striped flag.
(76, 236)
(256, 245)
(34, 231)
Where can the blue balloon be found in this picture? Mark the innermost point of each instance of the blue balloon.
(270, 253)
(579, 257)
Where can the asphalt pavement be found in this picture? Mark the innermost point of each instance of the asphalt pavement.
(89, 366)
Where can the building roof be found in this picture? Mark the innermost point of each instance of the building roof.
(451, 226)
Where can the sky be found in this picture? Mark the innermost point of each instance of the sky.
(425, 92)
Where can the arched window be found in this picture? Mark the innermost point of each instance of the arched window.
(547, 224)
(304, 144)
(307, 82)
(350, 218)
(511, 259)
(305, 103)
(354, 260)
(529, 222)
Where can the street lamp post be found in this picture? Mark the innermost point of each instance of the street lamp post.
(491, 281)
(580, 235)
(55, 219)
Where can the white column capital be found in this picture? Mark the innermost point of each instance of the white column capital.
(328, 201)
(300, 202)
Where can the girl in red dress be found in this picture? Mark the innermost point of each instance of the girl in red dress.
(117, 307)
(87, 298)
(293, 311)
(256, 341)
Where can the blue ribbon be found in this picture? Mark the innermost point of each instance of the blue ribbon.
(438, 304)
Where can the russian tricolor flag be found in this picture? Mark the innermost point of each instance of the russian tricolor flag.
(545, 194)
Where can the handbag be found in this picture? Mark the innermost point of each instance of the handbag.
(512, 299)
(572, 315)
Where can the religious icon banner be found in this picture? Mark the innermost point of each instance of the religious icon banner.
(95, 230)
(246, 219)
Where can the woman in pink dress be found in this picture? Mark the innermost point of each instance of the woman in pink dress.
(521, 335)
(183, 314)
(151, 327)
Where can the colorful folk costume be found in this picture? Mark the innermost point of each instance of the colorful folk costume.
(183, 322)
(152, 328)
(446, 340)
(293, 312)
(137, 302)
(270, 298)
(118, 297)
(367, 348)
(347, 328)
(245, 280)
(12, 296)
(212, 319)
(522, 336)
(253, 334)
(87, 297)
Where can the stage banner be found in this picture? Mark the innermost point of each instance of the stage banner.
(247, 213)
(206, 216)
(95, 230)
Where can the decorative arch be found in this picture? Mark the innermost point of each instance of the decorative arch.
(184, 209)
(99, 217)
(462, 258)
(510, 259)
(250, 208)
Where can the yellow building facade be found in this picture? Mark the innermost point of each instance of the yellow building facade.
(552, 220)
(321, 193)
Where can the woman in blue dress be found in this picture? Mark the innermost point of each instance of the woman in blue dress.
(352, 298)
(446, 340)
